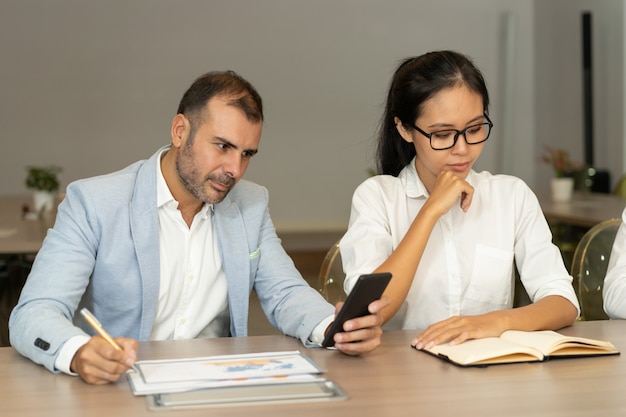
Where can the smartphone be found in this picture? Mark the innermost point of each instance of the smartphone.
(368, 288)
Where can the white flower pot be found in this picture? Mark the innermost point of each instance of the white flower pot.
(43, 201)
(562, 189)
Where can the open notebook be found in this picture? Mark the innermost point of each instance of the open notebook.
(517, 346)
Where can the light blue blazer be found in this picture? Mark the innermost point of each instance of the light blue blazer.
(103, 253)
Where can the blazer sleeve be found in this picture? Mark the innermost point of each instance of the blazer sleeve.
(42, 319)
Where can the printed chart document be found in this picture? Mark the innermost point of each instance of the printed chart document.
(178, 375)
(518, 346)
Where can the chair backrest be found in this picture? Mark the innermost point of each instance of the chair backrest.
(589, 266)
(331, 276)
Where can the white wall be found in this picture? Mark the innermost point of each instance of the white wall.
(92, 86)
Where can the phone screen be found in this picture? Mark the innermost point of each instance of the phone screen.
(368, 288)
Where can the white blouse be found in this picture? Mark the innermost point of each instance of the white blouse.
(614, 290)
(468, 264)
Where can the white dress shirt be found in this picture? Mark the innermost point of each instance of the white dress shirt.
(193, 297)
(614, 290)
(468, 264)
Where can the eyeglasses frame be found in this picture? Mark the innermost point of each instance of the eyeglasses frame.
(458, 133)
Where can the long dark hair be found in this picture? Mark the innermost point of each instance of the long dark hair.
(416, 80)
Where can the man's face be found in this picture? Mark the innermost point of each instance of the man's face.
(215, 153)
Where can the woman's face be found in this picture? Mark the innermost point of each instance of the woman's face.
(453, 108)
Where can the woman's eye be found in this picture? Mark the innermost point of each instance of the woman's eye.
(443, 134)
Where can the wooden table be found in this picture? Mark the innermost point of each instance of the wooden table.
(585, 209)
(18, 235)
(395, 380)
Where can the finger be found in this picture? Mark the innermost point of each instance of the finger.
(437, 333)
(464, 336)
(377, 306)
(466, 200)
(359, 348)
(108, 358)
(432, 340)
(447, 191)
(93, 364)
(359, 341)
(129, 347)
(97, 376)
(363, 322)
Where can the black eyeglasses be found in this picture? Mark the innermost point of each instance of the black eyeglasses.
(446, 139)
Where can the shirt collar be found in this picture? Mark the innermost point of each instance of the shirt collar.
(414, 186)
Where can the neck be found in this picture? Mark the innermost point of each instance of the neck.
(427, 177)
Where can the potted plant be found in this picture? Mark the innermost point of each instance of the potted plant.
(44, 182)
(562, 185)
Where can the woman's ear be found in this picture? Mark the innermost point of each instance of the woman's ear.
(402, 130)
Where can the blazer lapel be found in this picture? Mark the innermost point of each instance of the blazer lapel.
(144, 223)
(233, 245)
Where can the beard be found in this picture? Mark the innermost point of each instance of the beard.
(199, 186)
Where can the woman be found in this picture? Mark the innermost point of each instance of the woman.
(449, 235)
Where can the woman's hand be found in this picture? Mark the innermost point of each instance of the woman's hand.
(447, 190)
(458, 329)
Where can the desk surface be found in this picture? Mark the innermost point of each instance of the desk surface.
(393, 380)
(19, 236)
(585, 209)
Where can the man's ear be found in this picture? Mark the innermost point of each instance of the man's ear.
(402, 130)
(180, 130)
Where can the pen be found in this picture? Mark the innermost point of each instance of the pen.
(95, 324)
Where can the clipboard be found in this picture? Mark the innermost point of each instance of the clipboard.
(247, 395)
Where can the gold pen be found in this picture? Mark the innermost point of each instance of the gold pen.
(95, 324)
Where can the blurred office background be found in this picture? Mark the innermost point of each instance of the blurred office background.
(92, 86)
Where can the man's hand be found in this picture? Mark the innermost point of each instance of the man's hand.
(361, 334)
(97, 362)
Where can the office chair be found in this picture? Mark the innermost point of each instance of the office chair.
(589, 266)
(331, 276)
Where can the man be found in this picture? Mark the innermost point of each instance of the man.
(170, 248)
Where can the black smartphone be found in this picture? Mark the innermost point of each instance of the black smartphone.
(368, 288)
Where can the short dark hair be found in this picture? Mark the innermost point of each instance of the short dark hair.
(221, 83)
(416, 80)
